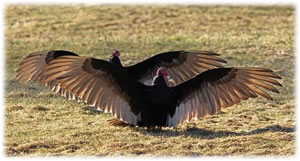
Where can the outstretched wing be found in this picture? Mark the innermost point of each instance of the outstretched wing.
(208, 92)
(32, 68)
(181, 65)
(100, 84)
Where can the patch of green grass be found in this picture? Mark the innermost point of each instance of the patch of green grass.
(40, 123)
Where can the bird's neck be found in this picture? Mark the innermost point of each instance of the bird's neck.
(115, 60)
(159, 81)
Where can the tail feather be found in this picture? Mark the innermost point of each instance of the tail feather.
(117, 122)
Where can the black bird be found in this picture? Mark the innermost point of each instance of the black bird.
(109, 88)
(182, 65)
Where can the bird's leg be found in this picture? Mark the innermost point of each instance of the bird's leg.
(150, 128)
(154, 128)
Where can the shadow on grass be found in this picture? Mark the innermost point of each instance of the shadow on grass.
(91, 110)
(209, 134)
(200, 133)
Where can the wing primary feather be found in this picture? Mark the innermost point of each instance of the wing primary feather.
(263, 78)
(92, 98)
(182, 73)
(99, 100)
(203, 65)
(202, 106)
(80, 82)
(239, 91)
(223, 100)
(256, 69)
(84, 84)
(245, 88)
(264, 85)
(211, 58)
(208, 109)
(197, 108)
(213, 63)
(210, 99)
(215, 96)
(268, 74)
(88, 88)
(232, 94)
(194, 106)
(226, 95)
(259, 91)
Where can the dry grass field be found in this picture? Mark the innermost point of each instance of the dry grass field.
(40, 123)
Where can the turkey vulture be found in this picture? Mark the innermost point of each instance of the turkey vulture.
(182, 65)
(111, 89)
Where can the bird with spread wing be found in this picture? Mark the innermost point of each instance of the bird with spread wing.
(201, 84)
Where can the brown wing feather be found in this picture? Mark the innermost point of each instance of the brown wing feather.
(104, 85)
(32, 68)
(31, 64)
(221, 87)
